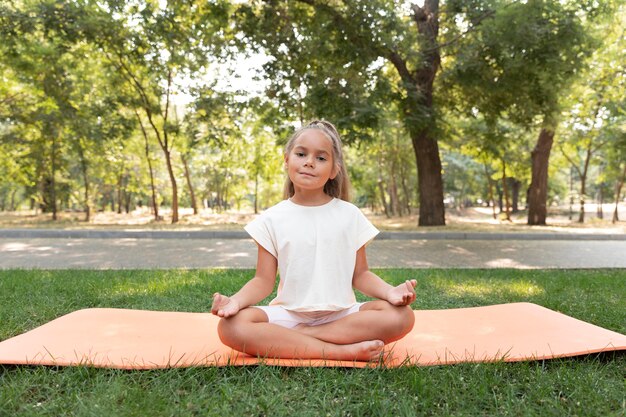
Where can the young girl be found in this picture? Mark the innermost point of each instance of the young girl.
(316, 240)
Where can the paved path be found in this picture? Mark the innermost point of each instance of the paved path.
(53, 249)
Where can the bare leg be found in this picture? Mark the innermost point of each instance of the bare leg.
(248, 331)
(376, 320)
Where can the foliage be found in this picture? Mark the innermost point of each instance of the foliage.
(83, 81)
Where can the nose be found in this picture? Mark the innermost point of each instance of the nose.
(310, 161)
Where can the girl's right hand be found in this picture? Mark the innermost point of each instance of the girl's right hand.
(224, 306)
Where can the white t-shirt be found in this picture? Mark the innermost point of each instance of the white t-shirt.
(316, 252)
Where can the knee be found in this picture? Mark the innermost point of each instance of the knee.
(403, 321)
(229, 333)
(234, 331)
(406, 319)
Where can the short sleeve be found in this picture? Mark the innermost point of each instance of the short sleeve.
(366, 231)
(259, 231)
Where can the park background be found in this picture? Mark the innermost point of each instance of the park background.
(448, 109)
(176, 112)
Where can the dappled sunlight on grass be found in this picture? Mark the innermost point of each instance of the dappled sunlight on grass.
(172, 283)
(129, 288)
(491, 289)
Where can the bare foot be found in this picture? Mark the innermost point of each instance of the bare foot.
(368, 350)
(224, 306)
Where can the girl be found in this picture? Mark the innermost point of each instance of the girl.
(316, 240)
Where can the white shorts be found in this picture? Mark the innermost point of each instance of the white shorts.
(290, 319)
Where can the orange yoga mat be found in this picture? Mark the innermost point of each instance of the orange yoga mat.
(135, 339)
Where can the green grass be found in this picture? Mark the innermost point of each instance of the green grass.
(590, 386)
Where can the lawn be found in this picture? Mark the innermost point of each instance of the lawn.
(589, 386)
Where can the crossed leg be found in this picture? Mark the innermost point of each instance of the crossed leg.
(375, 320)
(249, 331)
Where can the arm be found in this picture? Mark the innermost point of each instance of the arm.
(372, 285)
(255, 290)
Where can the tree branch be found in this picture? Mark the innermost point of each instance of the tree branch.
(10, 98)
(130, 77)
(167, 106)
(570, 160)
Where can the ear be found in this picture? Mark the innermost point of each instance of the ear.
(286, 158)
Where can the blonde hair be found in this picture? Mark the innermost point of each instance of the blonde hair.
(339, 186)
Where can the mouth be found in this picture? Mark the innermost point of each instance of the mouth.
(306, 174)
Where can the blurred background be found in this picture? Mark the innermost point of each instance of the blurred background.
(176, 112)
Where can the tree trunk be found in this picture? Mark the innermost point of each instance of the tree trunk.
(128, 196)
(571, 193)
(192, 194)
(170, 171)
(393, 193)
(490, 192)
(12, 202)
(618, 192)
(87, 197)
(538, 190)
(53, 185)
(515, 187)
(583, 190)
(166, 147)
(85, 171)
(419, 115)
(383, 200)
(431, 211)
(256, 193)
(583, 184)
(120, 187)
(405, 190)
(505, 191)
(155, 206)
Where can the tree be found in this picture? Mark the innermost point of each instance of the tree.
(38, 51)
(329, 61)
(584, 143)
(16, 175)
(519, 63)
(156, 49)
(594, 113)
(213, 118)
(100, 118)
(265, 162)
(383, 172)
(150, 162)
(74, 104)
(615, 154)
(498, 146)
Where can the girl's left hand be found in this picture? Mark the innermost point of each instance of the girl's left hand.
(403, 294)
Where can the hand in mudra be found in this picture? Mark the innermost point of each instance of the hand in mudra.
(403, 294)
(224, 306)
